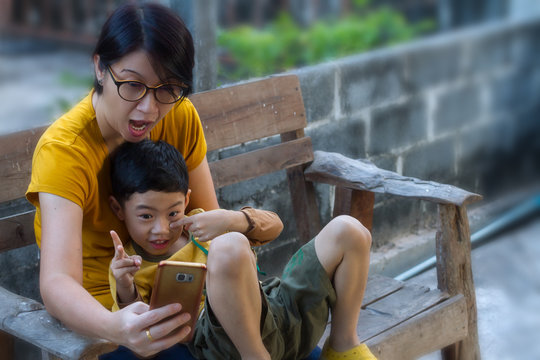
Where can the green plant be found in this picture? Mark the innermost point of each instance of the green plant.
(283, 45)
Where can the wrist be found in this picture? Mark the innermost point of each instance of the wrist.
(126, 294)
(238, 222)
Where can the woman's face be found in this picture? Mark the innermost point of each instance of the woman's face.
(120, 119)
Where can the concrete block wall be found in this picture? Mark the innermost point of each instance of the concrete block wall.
(460, 108)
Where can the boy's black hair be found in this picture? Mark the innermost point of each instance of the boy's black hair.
(147, 165)
(153, 28)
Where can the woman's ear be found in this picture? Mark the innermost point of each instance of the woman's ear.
(116, 208)
(100, 73)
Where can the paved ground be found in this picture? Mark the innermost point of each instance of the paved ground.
(507, 281)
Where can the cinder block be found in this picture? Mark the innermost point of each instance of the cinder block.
(318, 90)
(369, 82)
(345, 136)
(385, 161)
(524, 45)
(433, 161)
(488, 52)
(397, 126)
(457, 107)
(436, 62)
(515, 92)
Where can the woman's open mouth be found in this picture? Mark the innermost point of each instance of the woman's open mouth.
(138, 128)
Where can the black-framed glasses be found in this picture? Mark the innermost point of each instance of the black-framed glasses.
(132, 90)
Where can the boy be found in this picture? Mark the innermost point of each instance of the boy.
(278, 319)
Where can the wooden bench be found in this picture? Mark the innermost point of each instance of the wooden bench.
(399, 320)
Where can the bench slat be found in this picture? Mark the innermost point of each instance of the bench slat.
(16, 152)
(28, 320)
(393, 310)
(379, 286)
(440, 326)
(250, 111)
(260, 162)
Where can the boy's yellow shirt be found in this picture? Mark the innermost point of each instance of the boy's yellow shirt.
(144, 277)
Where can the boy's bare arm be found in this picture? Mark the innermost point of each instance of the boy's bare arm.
(260, 226)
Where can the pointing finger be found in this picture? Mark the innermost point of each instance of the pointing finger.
(118, 247)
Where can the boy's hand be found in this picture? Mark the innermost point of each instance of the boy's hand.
(207, 225)
(123, 268)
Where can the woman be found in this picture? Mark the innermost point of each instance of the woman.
(143, 65)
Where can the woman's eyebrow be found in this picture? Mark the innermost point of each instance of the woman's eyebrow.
(131, 71)
(170, 79)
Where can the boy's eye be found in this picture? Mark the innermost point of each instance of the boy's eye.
(173, 213)
(146, 216)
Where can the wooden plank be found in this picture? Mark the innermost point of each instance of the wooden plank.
(444, 324)
(260, 162)
(379, 286)
(16, 152)
(339, 170)
(357, 203)
(28, 320)
(17, 231)
(6, 345)
(250, 111)
(394, 309)
(454, 273)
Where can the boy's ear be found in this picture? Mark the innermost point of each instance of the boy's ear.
(187, 199)
(116, 208)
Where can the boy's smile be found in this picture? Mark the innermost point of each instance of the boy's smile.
(147, 217)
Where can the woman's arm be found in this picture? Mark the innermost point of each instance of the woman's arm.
(64, 297)
(203, 194)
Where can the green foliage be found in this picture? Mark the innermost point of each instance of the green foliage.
(281, 45)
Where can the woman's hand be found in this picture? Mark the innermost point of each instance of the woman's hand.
(145, 331)
(208, 225)
(123, 268)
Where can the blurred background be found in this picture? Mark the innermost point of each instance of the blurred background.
(444, 90)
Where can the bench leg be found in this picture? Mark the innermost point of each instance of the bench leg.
(48, 356)
(357, 203)
(454, 274)
(306, 211)
(6, 345)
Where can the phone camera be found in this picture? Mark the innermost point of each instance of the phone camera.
(183, 277)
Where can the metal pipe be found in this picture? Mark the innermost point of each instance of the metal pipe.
(511, 217)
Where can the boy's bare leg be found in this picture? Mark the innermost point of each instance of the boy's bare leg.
(234, 294)
(343, 248)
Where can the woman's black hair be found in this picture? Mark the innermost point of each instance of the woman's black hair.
(155, 29)
(147, 166)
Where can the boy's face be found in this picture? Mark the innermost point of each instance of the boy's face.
(147, 217)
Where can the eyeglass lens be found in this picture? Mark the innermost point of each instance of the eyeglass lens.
(133, 91)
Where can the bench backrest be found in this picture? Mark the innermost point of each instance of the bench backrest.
(231, 116)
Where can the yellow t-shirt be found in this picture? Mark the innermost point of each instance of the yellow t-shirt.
(71, 161)
(144, 277)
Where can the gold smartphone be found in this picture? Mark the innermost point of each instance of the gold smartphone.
(179, 282)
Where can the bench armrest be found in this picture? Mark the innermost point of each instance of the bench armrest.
(336, 169)
(28, 320)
